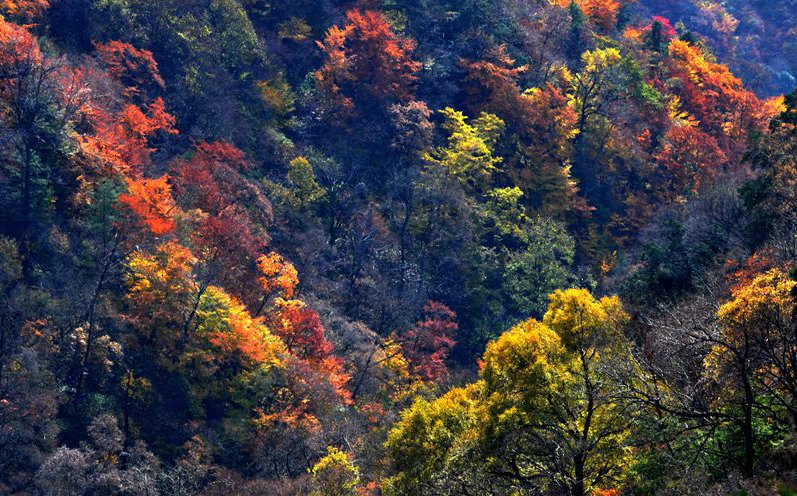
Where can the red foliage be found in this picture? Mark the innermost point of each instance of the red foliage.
(303, 333)
(211, 180)
(690, 158)
(231, 212)
(305, 338)
(230, 239)
(668, 32)
(151, 201)
(121, 140)
(24, 9)
(366, 56)
(428, 344)
(135, 68)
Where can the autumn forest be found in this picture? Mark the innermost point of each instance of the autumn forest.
(398, 247)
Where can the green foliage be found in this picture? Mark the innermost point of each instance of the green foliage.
(303, 183)
(543, 265)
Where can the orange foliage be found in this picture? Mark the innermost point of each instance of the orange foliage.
(303, 334)
(17, 47)
(601, 12)
(606, 492)
(121, 140)
(288, 409)
(243, 335)
(152, 202)
(306, 392)
(492, 84)
(135, 68)
(158, 283)
(690, 158)
(365, 55)
(717, 98)
(742, 273)
(25, 9)
(279, 277)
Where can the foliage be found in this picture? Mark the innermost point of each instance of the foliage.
(256, 247)
(335, 474)
(469, 154)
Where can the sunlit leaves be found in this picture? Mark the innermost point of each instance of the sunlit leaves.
(366, 56)
(228, 326)
(278, 277)
(541, 416)
(151, 201)
(120, 140)
(469, 154)
(156, 278)
(335, 474)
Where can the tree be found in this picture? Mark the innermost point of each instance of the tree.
(726, 110)
(39, 99)
(24, 9)
(229, 214)
(237, 336)
(366, 59)
(596, 86)
(542, 266)
(335, 475)
(305, 188)
(721, 370)
(151, 201)
(602, 12)
(119, 141)
(136, 69)
(278, 277)
(545, 415)
(753, 357)
(469, 153)
(543, 121)
(164, 294)
(428, 343)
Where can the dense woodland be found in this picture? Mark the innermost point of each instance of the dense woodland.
(398, 247)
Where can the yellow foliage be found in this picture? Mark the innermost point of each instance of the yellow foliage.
(469, 154)
(335, 474)
(580, 319)
(228, 326)
(278, 277)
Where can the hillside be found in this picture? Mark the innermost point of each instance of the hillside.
(398, 247)
(757, 39)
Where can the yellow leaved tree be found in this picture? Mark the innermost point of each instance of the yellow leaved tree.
(545, 415)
